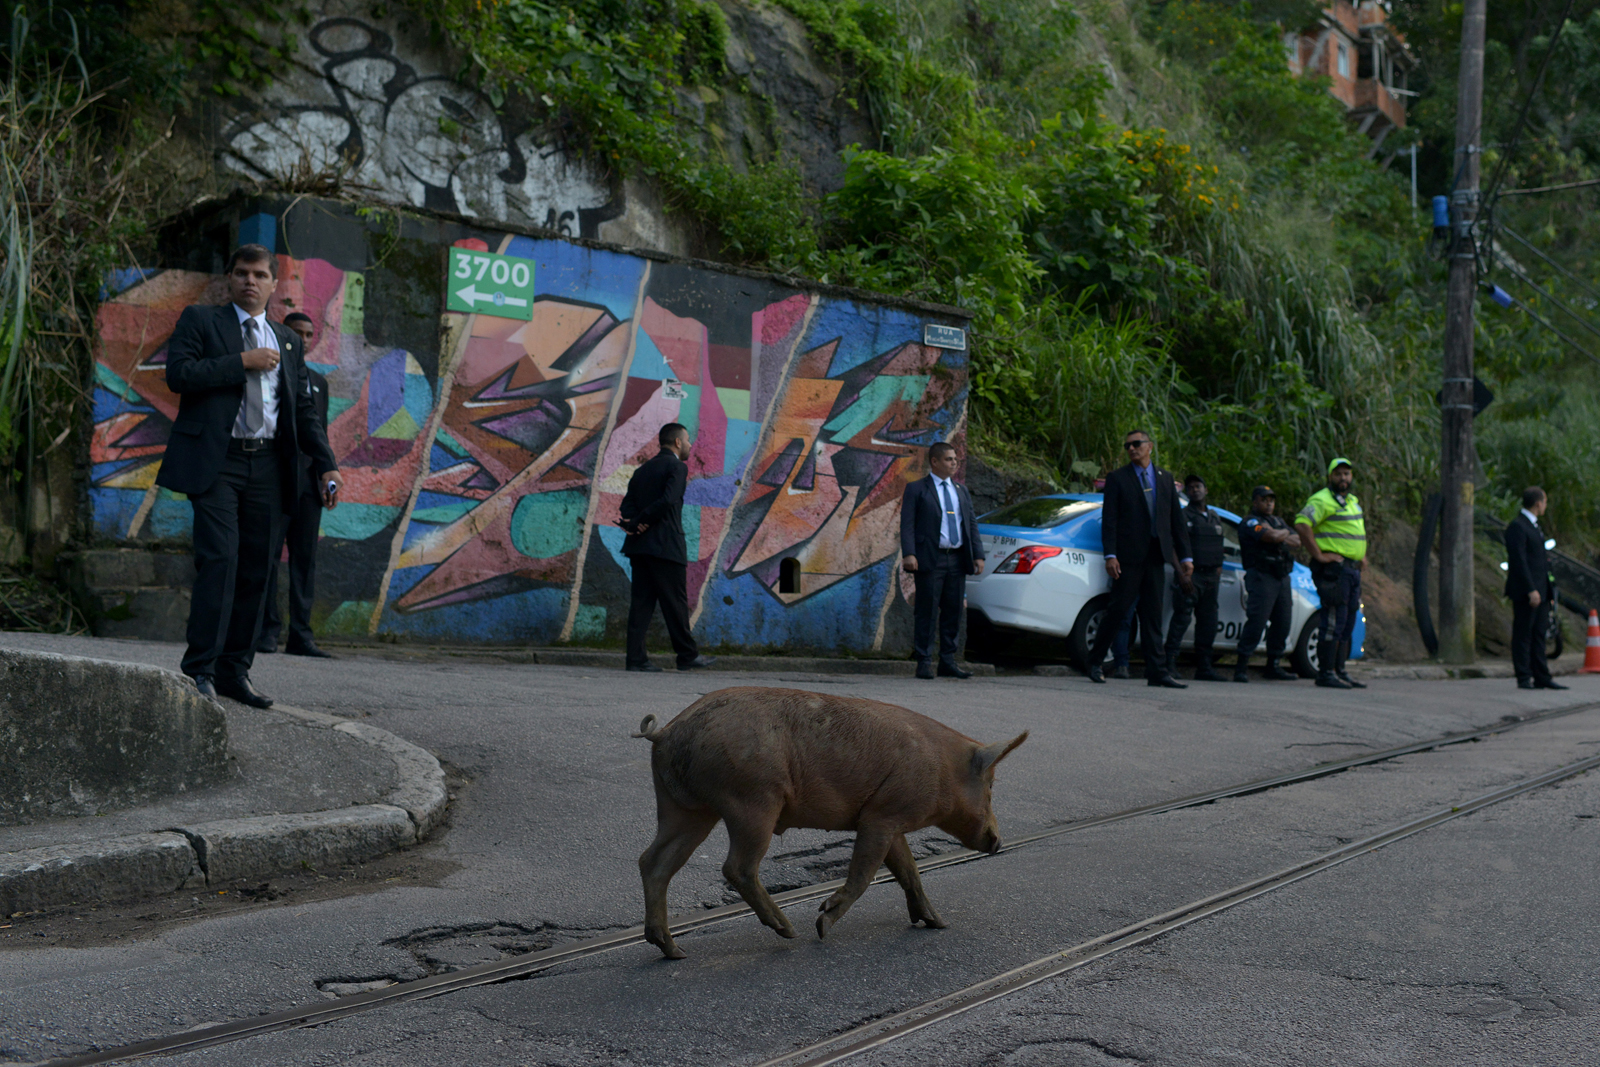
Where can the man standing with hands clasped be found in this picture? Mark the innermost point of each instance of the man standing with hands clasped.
(245, 417)
(1528, 586)
(1141, 530)
(301, 528)
(939, 547)
(652, 515)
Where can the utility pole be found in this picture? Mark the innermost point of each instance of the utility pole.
(1458, 460)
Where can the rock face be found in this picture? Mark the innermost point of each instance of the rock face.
(78, 736)
(373, 102)
(782, 101)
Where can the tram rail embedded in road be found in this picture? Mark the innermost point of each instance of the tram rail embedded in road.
(515, 967)
(902, 1024)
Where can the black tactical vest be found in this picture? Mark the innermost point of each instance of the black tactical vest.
(1205, 536)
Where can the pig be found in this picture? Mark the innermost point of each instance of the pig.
(765, 760)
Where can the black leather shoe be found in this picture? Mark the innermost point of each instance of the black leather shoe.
(951, 670)
(647, 668)
(267, 650)
(1120, 671)
(1278, 674)
(1240, 674)
(698, 663)
(241, 690)
(208, 688)
(1096, 675)
(924, 669)
(1167, 681)
(1351, 682)
(1329, 680)
(1206, 673)
(1551, 684)
(310, 648)
(1526, 683)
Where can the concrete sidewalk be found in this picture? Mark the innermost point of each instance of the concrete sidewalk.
(308, 789)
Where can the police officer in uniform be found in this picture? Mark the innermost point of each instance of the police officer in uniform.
(1264, 544)
(1334, 530)
(1196, 596)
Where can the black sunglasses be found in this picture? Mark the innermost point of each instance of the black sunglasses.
(1133, 444)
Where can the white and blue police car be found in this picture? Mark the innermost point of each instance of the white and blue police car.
(1044, 590)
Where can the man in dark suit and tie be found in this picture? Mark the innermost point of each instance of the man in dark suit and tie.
(245, 416)
(652, 514)
(300, 529)
(1528, 586)
(1141, 530)
(939, 546)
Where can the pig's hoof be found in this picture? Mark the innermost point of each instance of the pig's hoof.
(929, 919)
(824, 924)
(669, 948)
(786, 931)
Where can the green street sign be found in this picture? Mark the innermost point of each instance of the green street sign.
(490, 284)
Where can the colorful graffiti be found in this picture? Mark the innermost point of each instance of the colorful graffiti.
(483, 478)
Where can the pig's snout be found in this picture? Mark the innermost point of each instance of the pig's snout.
(991, 842)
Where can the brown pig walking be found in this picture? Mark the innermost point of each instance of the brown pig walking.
(766, 760)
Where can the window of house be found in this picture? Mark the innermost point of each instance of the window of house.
(1344, 61)
(789, 575)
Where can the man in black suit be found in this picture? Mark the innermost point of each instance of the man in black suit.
(1141, 530)
(939, 547)
(1528, 586)
(300, 529)
(652, 514)
(245, 416)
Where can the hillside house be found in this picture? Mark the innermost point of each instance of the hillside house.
(1365, 60)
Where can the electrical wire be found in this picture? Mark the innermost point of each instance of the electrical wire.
(1527, 105)
(1571, 277)
(1542, 291)
(1552, 188)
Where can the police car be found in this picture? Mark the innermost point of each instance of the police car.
(1045, 579)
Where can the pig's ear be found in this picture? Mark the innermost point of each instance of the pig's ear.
(987, 756)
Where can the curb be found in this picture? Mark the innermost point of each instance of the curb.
(228, 850)
(606, 660)
(1427, 672)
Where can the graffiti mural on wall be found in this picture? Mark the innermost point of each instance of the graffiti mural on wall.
(417, 138)
(483, 481)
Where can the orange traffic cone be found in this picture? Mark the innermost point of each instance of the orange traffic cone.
(1591, 651)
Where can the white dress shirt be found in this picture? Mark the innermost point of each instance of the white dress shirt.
(955, 504)
(1531, 518)
(265, 338)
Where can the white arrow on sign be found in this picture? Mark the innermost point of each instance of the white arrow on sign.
(471, 295)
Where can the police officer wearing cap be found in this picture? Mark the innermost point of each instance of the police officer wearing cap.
(1334, 530)
(1195, 596)
(1264, 544)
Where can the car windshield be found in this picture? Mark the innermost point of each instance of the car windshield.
(1040, 513)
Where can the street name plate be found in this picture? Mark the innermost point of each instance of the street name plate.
(490, 284)
(952, 337)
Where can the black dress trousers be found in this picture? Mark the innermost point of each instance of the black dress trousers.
(1528, 627)
(1143, 582)
(944, 589)
(236, 524)
(664, 582)
(300, 531)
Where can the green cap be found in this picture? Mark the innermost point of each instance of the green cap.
(1341, 461)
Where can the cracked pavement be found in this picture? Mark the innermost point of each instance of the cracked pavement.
(1474, 942)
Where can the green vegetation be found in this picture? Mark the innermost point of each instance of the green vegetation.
(1154, 223)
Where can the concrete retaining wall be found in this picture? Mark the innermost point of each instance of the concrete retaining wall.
(78, 736)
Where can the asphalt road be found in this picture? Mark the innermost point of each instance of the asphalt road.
(1473, 942)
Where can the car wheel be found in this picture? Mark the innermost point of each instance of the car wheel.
(980, 637)
(1086, 629)
(1305, 650)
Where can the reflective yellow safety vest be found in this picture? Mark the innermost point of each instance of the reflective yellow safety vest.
(1340, 528)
